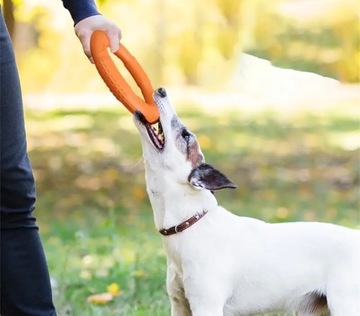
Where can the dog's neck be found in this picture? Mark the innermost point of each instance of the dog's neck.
(174, 202)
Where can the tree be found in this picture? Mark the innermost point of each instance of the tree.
(8, 11)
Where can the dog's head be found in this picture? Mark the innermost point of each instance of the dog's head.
(173, 150)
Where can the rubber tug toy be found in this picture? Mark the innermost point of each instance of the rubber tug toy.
(99, 44)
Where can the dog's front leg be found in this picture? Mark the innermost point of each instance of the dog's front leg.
(207, 311)
(205, 300)
(179, 303)
(179, 308)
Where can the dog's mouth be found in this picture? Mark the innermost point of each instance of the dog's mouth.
(155, 131)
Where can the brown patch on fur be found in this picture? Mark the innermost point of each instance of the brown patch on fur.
(314, 304)
(194, 155)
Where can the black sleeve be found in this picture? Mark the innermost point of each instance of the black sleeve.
(80, 9)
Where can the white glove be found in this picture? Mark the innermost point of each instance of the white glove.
(86, 27)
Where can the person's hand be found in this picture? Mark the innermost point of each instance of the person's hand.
(86, 27)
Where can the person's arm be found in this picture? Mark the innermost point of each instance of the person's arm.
(87, 19)
(80, 9)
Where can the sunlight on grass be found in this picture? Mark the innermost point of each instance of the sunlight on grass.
(346, 141)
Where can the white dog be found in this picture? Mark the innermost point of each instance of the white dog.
(223, 264)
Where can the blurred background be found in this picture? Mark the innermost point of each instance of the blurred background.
(178, 43)
(270, 87)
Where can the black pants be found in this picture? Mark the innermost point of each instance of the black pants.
(24, 279)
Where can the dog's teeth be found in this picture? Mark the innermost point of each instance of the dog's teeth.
(157, 135)
(155, 130)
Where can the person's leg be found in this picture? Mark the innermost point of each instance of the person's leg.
(25, 284)
(24, 279)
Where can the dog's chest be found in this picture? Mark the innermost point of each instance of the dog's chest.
(181, 252)
(174, 250)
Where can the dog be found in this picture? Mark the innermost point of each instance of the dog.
(219, 263)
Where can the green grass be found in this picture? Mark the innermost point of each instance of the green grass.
(87, 255)
(96, 221)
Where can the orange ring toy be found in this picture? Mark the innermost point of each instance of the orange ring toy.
(116, 82)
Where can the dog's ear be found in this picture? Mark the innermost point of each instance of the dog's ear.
(207, 177)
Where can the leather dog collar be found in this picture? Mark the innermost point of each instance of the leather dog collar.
(184, 225)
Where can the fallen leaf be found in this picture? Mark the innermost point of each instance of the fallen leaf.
(100, 299)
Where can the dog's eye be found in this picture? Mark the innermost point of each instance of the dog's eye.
(185, 135)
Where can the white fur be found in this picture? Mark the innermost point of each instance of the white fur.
(230, 265)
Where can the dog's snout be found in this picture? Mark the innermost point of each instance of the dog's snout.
(161, 92)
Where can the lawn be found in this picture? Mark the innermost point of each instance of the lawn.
(95, 218)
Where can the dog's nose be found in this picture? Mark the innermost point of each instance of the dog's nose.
(161, 92)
